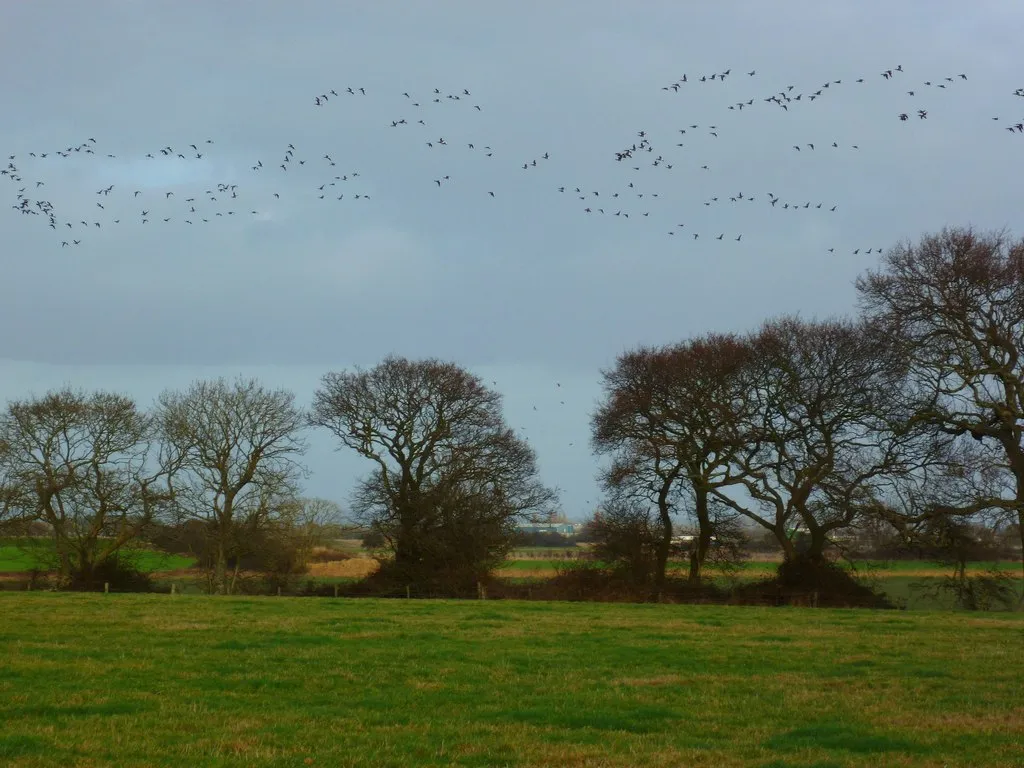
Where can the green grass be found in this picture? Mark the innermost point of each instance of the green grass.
(899, 580)
(758, 568)
(154, 680)
(27, 554)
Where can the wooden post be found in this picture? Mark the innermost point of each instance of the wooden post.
(106, 587)
(173, 585)
(28, 586)
(335, 590)
(278, 591)
(406, 591)
(815, 598)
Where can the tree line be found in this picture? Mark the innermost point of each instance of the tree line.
(219, 465)
(906, 415)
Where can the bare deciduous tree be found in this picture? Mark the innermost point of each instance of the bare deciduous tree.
(15, 512)
(307, 522)
(670, 417)
(626, 534)
(819, 441)
(238, 447)
(955, 304)
(451, 477)
(90, 467)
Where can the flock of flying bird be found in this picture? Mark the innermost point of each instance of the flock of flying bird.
(229, 198)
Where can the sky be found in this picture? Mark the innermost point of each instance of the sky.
(429, 248)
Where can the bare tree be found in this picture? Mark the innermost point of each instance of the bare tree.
(955, 304)
(238, 447)
(451, 478)
(307, 522)
(15, 511)
(90, 467)
(820, 443)
(670, 419)
(317, 519)
(626, 534)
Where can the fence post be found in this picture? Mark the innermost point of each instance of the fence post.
(815, 598)
(335, 590)
(278, 591)
(406, 591)
(106, 587)
(173, 586)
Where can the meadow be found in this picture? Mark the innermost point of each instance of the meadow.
(907, 583)
(156, 680)
(22, 555)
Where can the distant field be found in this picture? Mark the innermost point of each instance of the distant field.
(154, 680)
(38, 553)
(900, 580)
(759, 568)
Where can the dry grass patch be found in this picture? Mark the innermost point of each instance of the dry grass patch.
(355, 567)
(644, 682)
(1010, 721)
(427, 685)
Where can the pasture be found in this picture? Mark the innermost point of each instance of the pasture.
(26, 554)
(909, 583)
(155, 680)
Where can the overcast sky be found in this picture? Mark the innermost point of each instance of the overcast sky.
(523, 287)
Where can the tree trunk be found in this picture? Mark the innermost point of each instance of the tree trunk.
(64, 561)
(234, 577)
(1016, 460)
(220, 567)
(788, 550)
(699, 553)
(86, 570)
(665, 543)
(1020, 530)
(816, 550)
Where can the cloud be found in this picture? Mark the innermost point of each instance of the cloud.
(526, 279)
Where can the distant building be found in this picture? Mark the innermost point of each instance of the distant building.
(687, 538)
(565, 529)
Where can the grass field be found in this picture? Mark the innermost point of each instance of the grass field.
(151, 680)
(759, 568)
(900, 580)
(38, 553)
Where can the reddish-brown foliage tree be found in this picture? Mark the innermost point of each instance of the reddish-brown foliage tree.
(669, 421)
(819, 443)
(451, 478)
(954, 304)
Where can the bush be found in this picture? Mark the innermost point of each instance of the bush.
(811, 581)
(328, 555)
(625, 537)
(992, 590)
(373, 540)
(119, 571)
(525, 539)
(394, 580)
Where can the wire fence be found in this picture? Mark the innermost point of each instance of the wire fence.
(542, 589)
